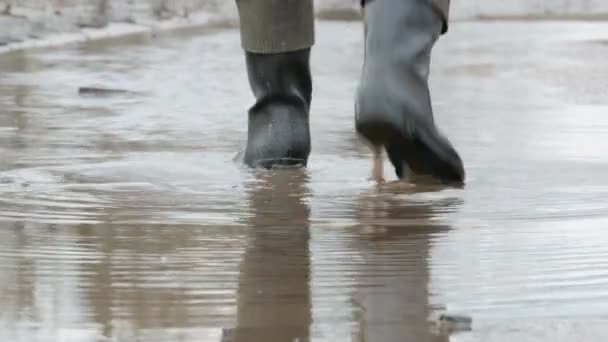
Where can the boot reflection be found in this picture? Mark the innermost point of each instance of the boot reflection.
(273, 294)
(394, 236)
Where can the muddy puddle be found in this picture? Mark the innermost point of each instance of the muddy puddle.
(124, 218)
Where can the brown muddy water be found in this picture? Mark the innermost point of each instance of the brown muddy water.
(124, 218)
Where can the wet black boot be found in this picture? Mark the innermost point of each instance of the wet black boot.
(393, 105)
(278, 132)
(277, 37)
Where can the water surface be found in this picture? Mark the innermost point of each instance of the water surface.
(124, 218)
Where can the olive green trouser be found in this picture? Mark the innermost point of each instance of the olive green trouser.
(275, 26)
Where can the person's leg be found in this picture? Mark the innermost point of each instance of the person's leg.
(277, 36)
(393, 105)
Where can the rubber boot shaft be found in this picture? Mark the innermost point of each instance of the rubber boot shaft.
(442, 7)
(278, 129)
(393, 106)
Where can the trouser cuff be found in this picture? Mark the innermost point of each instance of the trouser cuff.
(275, 26)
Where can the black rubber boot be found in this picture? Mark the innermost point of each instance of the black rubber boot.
(393, 105)
(278, 132)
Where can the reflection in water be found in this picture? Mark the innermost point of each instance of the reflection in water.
(157, 283)
(274, 301)
(393, 237)
(102, 295)
(20, 301)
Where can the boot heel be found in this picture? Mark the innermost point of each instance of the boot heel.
(375, 132)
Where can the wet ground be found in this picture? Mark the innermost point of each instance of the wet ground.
(124, 218)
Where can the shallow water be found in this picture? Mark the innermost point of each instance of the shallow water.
(124, 217)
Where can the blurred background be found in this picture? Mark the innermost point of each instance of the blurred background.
(22, 19)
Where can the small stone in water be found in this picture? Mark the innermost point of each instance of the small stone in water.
(455, 322)
(100, 91)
